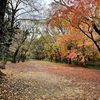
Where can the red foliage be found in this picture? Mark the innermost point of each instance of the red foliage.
(72, 55)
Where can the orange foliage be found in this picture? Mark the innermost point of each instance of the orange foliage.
(78, 15)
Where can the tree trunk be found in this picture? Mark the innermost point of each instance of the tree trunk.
(2, 13)
(2, 34)
(77, 59)
(2, 8)
(69, 61)
(15, 55)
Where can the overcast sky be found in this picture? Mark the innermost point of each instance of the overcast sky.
(48, 1)
(35, 14)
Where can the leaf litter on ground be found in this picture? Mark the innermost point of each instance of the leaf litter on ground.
(41, 80)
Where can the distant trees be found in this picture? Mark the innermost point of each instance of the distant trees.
(37, 49)
(22, 42)
(11, 12)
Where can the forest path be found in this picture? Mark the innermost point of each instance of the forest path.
(41, 80)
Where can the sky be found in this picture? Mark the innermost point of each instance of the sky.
(48, 1)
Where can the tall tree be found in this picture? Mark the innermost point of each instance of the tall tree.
(83, 15)
(3, 4)
(2, 13)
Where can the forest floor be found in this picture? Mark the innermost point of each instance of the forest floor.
(41, 80)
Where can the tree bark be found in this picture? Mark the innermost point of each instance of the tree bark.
(69, 61)
(96, 29)
(2, 34)
(98, 47)
(15, 55)
(2, 13)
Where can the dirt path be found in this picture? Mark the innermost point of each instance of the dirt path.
(38, 80)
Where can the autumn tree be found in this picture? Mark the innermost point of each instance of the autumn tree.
(83, 15)
(65, 23)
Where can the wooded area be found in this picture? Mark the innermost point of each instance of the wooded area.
(67, 31)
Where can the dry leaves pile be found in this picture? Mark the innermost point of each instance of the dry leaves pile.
(39, 80)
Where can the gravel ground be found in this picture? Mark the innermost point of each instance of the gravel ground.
(38, 80)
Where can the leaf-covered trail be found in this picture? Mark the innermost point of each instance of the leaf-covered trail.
(40, 80)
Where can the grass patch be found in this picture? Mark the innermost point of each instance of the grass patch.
(94, 67)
